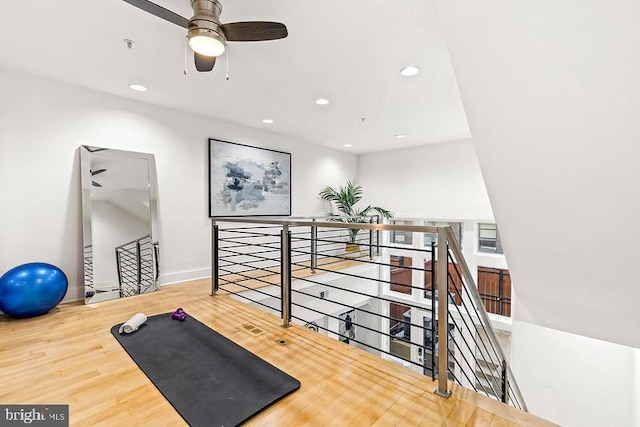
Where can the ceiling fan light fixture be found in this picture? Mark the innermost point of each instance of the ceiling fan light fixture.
(207, 35)
(206, 43)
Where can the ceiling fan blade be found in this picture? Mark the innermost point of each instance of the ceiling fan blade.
(254, 31)
(95, 184)
(204, 63)
(96, 172)
(159, 11)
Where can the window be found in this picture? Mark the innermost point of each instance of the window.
(454, 282)
(400, 321)
(401, 274)
(400, 331)
(494, 286)
(433, 238)
(489, 238)
(402, 237)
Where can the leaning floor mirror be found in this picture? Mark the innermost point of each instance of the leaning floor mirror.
(120, 223)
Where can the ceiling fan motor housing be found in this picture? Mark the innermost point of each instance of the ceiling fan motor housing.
(207, 36)
(206, 20)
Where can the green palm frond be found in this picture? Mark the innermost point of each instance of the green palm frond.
(344, 199)
(382, 211)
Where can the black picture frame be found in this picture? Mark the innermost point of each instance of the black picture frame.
(248, 181)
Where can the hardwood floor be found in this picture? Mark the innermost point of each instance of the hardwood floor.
(68, 356)
(260, 278)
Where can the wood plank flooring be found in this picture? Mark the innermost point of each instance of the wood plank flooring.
(68, 356)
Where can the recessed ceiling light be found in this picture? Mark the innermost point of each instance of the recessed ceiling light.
(137, 87)
(322, 101)
(348, 145)
(267, 121)
(401, 135)
(410, 70)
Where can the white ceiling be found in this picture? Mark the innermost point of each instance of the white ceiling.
(350, 52)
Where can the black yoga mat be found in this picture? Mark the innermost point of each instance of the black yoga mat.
(209, 380)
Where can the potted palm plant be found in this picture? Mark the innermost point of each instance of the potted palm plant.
(344, 199)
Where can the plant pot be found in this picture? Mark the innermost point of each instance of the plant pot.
(352, 249)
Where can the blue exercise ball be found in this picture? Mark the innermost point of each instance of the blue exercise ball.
(32, 289)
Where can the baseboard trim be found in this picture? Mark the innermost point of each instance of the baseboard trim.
(76, 293)
(184, 276)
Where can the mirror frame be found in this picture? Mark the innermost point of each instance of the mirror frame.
(86, 154)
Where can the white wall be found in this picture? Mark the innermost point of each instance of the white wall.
(42, 123)
(549, 89)
(550, 92)
(575, 381)
(636, 391)
(436, 181)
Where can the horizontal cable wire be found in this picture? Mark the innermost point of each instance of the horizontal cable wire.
(412, 249)
(363, 277)
(495, 351)
(473, 384)
(382, 316)
(473, 349)
(364, 261)
(464, 304)
(329, 246)
(473, 352)
(407, 303)
(360, 342)
(258, 279)
(251, 289)
(261, 245)
(253, 301)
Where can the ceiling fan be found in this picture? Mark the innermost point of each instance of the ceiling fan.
(207, 36)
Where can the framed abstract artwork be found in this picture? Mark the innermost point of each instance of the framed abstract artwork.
(248, 181)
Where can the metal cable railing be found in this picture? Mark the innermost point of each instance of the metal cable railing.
(510, 392)
(89, 289)
(390, 301)
(135, 263)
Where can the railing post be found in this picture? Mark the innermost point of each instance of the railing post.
(285, 275)
(215, 274)
(378, 234)
(119, 265)
(371, 240)
(138, 266)
(433, 310)
(156, 261)
(443, 315)
(500, 291)
(314, 247)
(505, 384)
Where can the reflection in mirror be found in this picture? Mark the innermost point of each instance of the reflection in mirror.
(119, 209)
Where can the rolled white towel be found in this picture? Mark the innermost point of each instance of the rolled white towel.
(133, 324)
